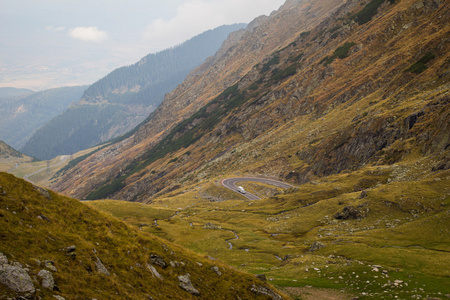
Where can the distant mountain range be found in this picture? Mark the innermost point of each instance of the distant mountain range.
(23, 111)
(124, 98)
(7, 92)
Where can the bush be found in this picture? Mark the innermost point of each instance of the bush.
(340, 52)
(421, 65)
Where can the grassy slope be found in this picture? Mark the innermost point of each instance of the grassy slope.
(124, 251)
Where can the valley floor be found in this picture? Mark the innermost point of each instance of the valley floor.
(381, 232)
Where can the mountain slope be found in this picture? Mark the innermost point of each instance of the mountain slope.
(21, 116)
(124, 98)
(333, 98)
(239, 53)
(56, 246)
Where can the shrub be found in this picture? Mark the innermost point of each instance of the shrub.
(421, 65)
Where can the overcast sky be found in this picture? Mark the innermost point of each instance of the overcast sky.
(51, 43)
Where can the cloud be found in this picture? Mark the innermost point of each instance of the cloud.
(88, 34)
(196, 16)
(55, 29)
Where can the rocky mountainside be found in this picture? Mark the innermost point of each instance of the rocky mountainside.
(24, 111)
(337, 86)
(7, 151)
(237, 56)
(124, 98)
(56, 247)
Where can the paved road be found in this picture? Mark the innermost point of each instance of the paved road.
(230, 183)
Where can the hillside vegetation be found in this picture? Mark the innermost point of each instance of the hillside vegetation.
(56, 246)
(124, 98)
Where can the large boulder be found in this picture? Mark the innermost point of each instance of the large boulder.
(15, 277)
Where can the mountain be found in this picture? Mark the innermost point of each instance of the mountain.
(54, 246)
(7, 92)
(22, 115)
(6, 151)
(124, 98)
(348, 101)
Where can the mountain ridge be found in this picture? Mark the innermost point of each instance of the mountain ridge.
(124, 98)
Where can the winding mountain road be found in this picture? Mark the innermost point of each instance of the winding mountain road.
(230, 183)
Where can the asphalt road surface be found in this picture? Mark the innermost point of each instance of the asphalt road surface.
(230, 183)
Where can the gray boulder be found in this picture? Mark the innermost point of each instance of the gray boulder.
(16, 278)
(47, 280)
(185, 284)
(101, 267)
(3, 259)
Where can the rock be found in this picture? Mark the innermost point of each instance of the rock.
(261, 277)
(58, 297)
(101, 268)
(362, 195)
(45, 193)
(47, 280)
(154, 271)
(3, 259)
(185, 284)
(351, 212)
(50, 265)
(16, 278)
(157, 260)
(216, 269)
(262, 290)
(71, 249)
(316, 246)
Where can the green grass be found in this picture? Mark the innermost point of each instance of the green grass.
(124, 250)
(408, 239)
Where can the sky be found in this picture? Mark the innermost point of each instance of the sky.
(52, 43)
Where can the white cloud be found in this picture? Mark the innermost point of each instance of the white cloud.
(196, 16)
(89, 34)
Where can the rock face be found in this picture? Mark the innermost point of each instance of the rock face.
(186, 284)
(15, 277)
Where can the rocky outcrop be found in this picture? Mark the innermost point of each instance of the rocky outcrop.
(316, 246)
(186, 284)
(352, 213)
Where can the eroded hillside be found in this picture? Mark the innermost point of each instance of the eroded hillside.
(366, 86)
